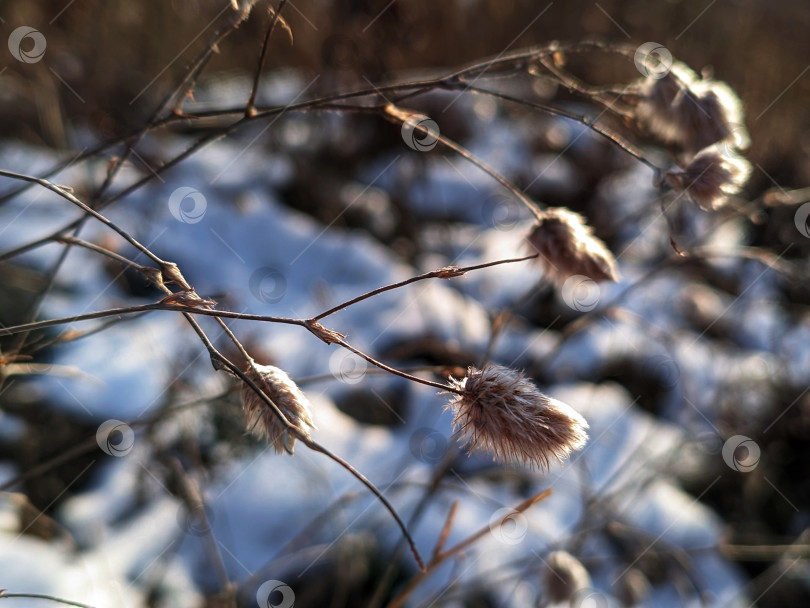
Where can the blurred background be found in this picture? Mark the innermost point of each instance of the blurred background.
(112, 50)
(693, 354)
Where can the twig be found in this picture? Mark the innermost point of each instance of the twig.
(447, 272)
(396, 372)
(250, 109)
(40, 596)
(402, 117)
(442, 556)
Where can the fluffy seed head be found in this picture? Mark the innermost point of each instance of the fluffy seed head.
(692, 113)
(567, 247)
(711, 177)
(563, 577)
(261, 420)
(500, 410)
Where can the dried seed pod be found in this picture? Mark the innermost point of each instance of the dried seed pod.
(260, 418)
(711, 177)
(563, 577)
(500, 410)
(567, 247)
(683, 110)
(657, 96)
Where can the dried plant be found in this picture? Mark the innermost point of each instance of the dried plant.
(711, 177)
(495, 408)
(290, 400)
(681, 108)
(568, 247)
(500, 410)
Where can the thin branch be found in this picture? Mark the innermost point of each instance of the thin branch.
(316, 447)
(40, 596)
(61, 191)
(139, 308)
(396, 372)
(442, 556)
(586, 121)
(72, 240)
(401, 116)
(250, 109)
(447, 272)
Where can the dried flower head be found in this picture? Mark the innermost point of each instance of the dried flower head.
(690, 112)
(567, 247)
(260, 418)
(499, 409)
(563, 577)
(711, 177)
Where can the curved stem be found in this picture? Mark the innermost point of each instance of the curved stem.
(611, 135)
(442, 273)
(396, 372)
(40, 596)
(251, 104)
(316, 447)
(87, 210)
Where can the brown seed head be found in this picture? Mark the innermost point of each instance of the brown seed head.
(711, 177)
(567, 247)
(683, 110)
(260, 418)
(500, 410)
